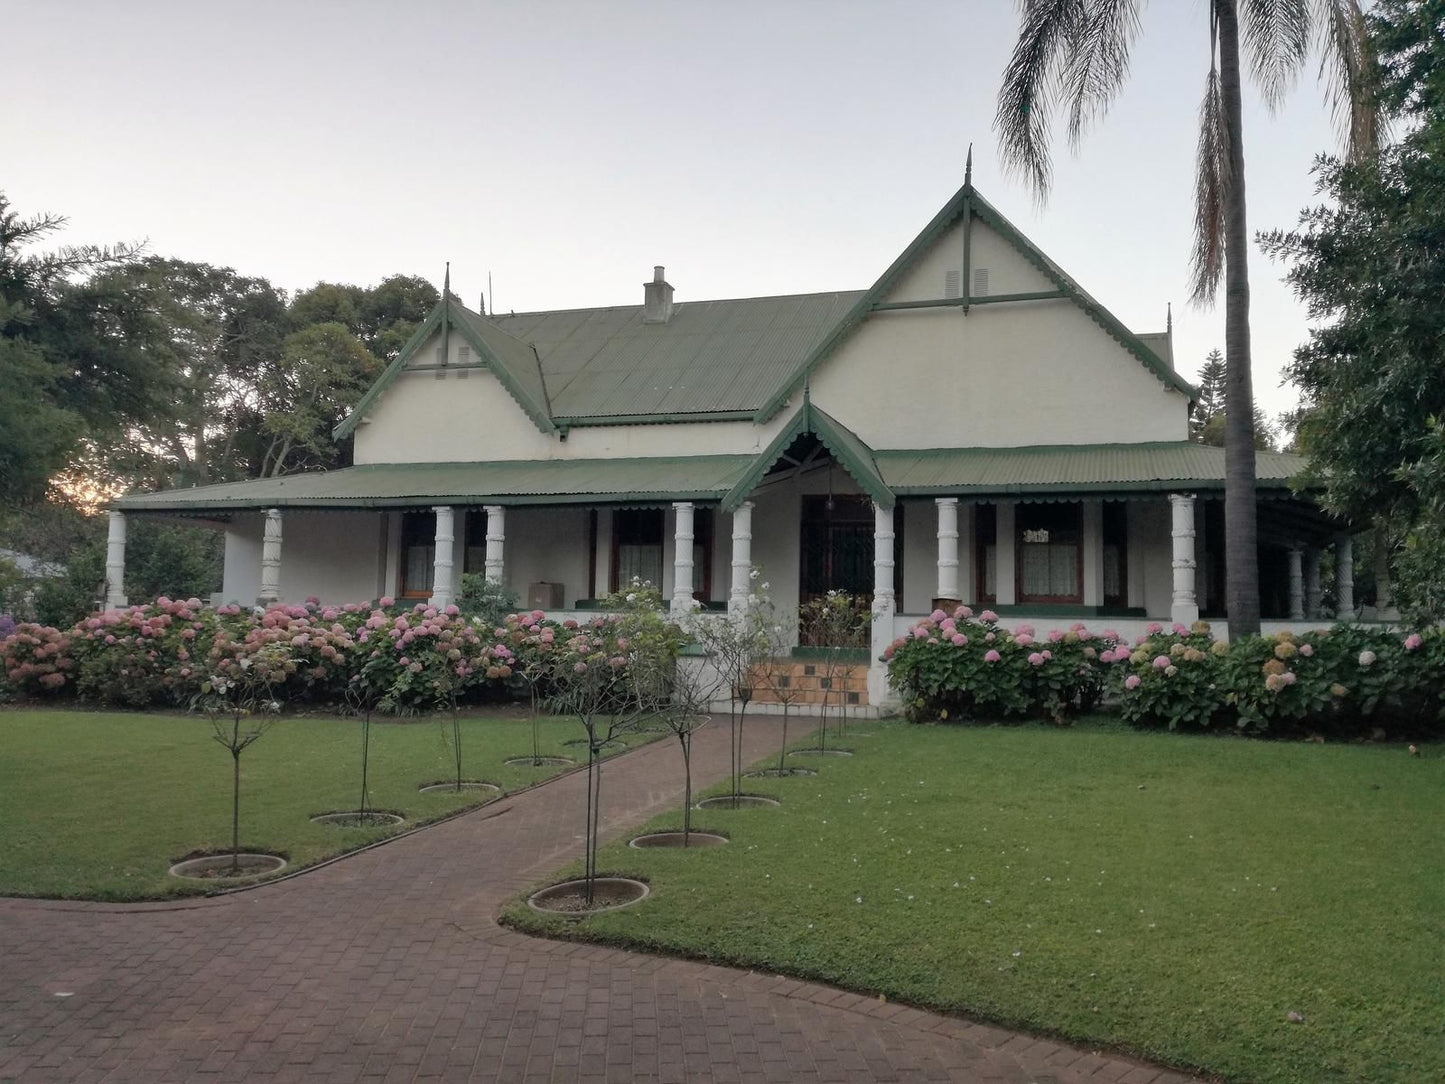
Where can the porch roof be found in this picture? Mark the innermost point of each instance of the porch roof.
(1073, 468)
(393, 485)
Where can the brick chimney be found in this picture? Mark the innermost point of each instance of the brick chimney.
(656, 299)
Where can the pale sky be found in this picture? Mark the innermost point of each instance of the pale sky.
(566, 147)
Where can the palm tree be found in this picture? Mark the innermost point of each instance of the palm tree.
(1075, 54)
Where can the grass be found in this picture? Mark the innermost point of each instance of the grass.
(98, 805)
(1175, 897)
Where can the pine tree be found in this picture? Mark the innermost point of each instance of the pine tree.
(1211, 395)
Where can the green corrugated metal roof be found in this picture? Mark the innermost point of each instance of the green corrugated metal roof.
(1077, 468)
(520, 482)
(710, 357)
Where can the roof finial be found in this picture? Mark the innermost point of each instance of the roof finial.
(968, 167)
(447, 281)
(1169, 317)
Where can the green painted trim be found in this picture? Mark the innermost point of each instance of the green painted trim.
(343, 504)
(967, 201)
(965, 288)
(1100, 315)
(534, 410)
(965, 302)
(390, 373)
(1161, 485)
(834, 436)
(654, 419)
(440, 318)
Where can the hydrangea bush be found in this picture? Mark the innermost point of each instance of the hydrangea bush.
(963, 666)
(1348, 680)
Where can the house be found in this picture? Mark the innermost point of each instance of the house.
(973, 427)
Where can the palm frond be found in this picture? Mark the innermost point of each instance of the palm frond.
(1031, 81)
(1211, 192)
(1277, 36)
(1097, 60)
(1347, 64)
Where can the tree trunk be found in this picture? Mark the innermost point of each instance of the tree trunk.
(235, 809)
(686, 787)
(1241, 553)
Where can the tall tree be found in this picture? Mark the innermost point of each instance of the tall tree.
(1210, 403)
(1370, 265)
(66, 369)
(1075, 54)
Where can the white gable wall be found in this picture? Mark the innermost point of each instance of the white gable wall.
(1004, 375)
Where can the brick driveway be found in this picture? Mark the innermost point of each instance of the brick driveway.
(389, 966)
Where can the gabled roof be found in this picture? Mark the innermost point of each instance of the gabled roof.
(513, 362)
(710, 358)
(847, 448)
(965, 205)
(739, 359)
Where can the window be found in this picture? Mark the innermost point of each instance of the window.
(702, 536)
(1116, 553)
(637, 535)
(1050, 552)
(418, 553)
(474, 557)
(985, 533)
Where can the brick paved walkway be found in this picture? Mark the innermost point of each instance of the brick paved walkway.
(388, 966)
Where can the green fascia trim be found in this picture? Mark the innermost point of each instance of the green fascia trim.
(1161, 485)
(458, 500)
(654, 419)
(965, 302)
(1100, 315)
(534, 410)
(390, 373)
(835, 437)
(439, 315)
(967, 202)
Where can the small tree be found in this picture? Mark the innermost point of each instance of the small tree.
(243, 692)
(606, 674)
(687, 690)
(362, 697)
(838, 623)
(739, 646)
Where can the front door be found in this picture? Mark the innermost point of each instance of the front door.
(836, 550)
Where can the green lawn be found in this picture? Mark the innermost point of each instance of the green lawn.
(98, 805)
(1172, 896)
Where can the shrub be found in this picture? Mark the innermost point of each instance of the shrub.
(962, 666)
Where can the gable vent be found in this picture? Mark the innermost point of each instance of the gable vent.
(950, 283)
(980, 282)
(464, 355)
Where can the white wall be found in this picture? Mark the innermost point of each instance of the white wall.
(547, 544)
(1038, 372)
(336, 556)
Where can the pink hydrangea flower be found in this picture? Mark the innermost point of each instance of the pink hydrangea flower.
(1413, 641)
(1367, 658)
(1047, 654)
(991, 656)
(988, 617)
(386, 602)
(1162, 662)
(937, 615)
(1306, 650)
(1153, 627)
(1035, 659)
(1024, 637)
(1055, 636)
(963, 613)
(1132, 681)
(959, 639)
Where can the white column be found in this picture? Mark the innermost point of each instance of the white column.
(682, 600)
(493, 564)
(885, 606)
(1312, 582)
(742, 557)
(1093, 547)
(1344, 577)
(1185, 609)
(1296, 584)
(115, 563)
(441, 581)
(1005, 592)
(948, 548)
(271, 558)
